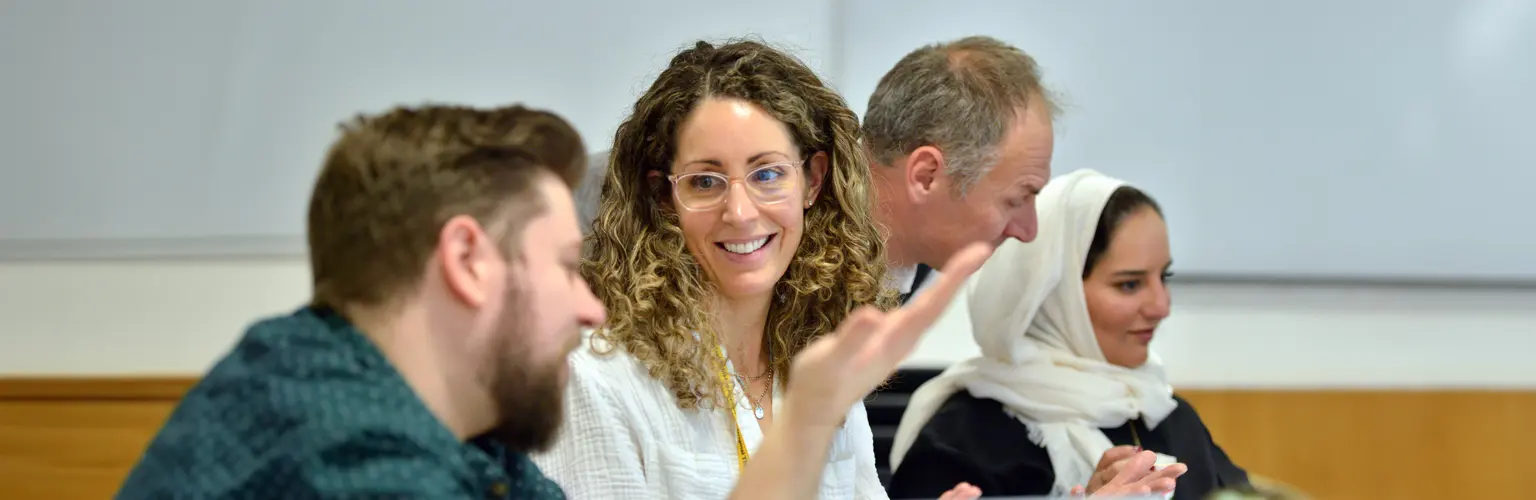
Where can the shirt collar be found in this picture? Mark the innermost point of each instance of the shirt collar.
(900, 278)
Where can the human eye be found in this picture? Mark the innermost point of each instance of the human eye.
(702, 182)
(1129, 286)
(1019, 198)
(769, 173)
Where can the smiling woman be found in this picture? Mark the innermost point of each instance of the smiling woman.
(1065, 326)
(734, 227)
(744, 238)
(1125, 275)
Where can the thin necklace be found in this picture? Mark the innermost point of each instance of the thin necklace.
(757, 403)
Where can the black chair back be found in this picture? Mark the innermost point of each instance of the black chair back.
(885, 407)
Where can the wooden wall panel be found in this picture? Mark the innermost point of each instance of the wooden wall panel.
(77, 438)
(1381, 444)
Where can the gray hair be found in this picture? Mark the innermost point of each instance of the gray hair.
(960, 96)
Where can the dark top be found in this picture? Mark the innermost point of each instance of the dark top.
(973, 440)
(919, 275)
(307, 407)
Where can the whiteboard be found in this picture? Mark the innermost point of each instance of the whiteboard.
(187, 127)
(1307, 139)
(1302, 140)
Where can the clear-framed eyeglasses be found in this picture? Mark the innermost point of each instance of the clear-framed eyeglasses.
(766, 185)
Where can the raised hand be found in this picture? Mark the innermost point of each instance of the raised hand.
(832, 374)
(839, 369)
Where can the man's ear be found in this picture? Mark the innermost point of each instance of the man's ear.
(816, 174)
(924, 173)
(466, 257)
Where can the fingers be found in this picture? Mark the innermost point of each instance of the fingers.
(1103, 476)
(1078, 490)
(856, 330)
(1133, 469)
(962, 491)
(1159, 485)
(1116, 454)
(1110, 464)
(1165, 478)
(951, 278)
(1124, 490)
(1162, 480)
(925, 308)
(1136, 477)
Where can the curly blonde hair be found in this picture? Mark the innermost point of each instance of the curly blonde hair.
(636, 259)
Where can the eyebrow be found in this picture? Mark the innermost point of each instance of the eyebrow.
(1029, 186)
(1137, 273)
(752, 159)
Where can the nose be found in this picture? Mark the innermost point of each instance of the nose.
(1159, 302)
(589, 310)
(739, 207)
(1024, 225)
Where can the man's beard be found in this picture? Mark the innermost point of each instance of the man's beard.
(529, 395)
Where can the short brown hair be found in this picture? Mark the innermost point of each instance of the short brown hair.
(959, 96)
(391, 181)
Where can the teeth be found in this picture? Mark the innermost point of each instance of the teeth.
(748, 247)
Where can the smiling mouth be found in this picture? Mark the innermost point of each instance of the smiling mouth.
(746, 247)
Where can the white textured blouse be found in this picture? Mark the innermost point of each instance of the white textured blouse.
(625, 437)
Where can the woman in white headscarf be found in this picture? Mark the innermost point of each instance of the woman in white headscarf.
(1066, 374)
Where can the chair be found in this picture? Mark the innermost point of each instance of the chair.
(885, 407)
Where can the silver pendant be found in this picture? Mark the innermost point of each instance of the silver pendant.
(758, 411)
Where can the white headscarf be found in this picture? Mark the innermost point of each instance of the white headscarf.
(1040, 357)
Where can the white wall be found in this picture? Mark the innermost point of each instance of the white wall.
(206, 120)
(1284, 138)
(176, 316)
(161, 317)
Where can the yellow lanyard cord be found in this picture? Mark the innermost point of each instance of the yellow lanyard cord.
(726, 388)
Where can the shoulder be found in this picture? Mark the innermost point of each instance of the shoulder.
(598, 354)
(601, 364)
(271, 405)
(606, 375)
(964, 408)
(1184, 414)
(297, 458)
(974, 427)
(372, 459)
(973, 440)
(282, 406)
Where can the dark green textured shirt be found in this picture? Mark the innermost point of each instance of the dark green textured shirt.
(306, 407)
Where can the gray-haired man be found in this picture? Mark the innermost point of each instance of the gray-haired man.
(960, 140)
